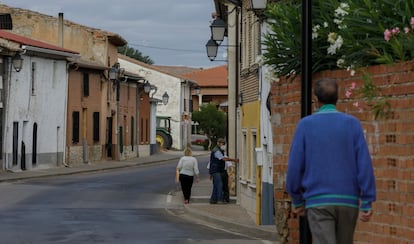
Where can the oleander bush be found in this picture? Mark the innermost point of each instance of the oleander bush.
(345, 34)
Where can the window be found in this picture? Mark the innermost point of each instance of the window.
(142, 130)
(75, 127)
(146, 130)
(185, 104)
(244, 156)
(85, 84)
(253, 159)
(15, 142)
(32, 78)
(132, 133)
(96, 126)
(34, 145)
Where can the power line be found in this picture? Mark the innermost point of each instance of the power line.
(165, 48)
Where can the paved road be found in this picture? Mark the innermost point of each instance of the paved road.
(121, 206)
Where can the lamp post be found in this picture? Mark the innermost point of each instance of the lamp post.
(306, 92)
(114, 75)
(231, 27)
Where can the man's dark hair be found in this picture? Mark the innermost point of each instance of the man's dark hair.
(326, 90)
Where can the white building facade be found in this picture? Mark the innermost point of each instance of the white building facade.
(33, 104)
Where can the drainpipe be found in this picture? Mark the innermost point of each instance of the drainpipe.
(232, 83)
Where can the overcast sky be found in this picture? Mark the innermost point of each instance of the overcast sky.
(170, 32)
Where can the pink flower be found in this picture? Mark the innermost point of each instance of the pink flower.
(395, 30)
(353, 85)
(356, 104)
(387, 35)
(348, 93)
(406, 30)
(412, 22)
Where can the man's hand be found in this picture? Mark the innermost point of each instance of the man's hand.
(365, 216)
(300, 211)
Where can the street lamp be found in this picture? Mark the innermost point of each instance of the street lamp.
(197, 90)
(258, 4)
(165, 98)
(114, 75)
(17, 62)
(212, 48)
(147, 87)
(218, 28)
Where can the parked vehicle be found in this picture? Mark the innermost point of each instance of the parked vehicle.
(163, 132)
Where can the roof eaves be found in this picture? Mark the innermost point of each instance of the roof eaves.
(49, 51)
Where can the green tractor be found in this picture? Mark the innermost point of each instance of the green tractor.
(163, 133)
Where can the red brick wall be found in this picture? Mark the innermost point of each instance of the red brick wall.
(391, 143)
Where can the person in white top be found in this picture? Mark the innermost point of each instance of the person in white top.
(187, 169)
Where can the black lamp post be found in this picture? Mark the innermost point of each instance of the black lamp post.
(114, 75)
(305, 236)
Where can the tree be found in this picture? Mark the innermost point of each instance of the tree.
(135, 54)
(212, 121)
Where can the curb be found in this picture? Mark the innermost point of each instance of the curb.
(234, 227)
(60, 170)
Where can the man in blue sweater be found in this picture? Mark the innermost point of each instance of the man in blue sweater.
(330, 172)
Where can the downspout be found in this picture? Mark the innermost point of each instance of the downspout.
(138, 96)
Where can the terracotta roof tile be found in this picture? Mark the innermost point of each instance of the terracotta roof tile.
(178, 70)
(211, 77)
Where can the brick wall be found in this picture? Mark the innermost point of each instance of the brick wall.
(391, 143)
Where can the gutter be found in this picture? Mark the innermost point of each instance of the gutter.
(49, 51)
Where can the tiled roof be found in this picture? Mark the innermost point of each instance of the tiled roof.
(178, 70)
(211, 77)
(150, 66)
(31, 42)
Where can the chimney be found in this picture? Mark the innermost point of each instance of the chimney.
(60, 30)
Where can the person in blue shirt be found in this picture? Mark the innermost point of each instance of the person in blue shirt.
(330, 176)
(217, 171)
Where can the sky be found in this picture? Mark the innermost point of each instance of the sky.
(170, 32)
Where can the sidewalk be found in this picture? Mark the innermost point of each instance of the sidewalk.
(230, 217)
